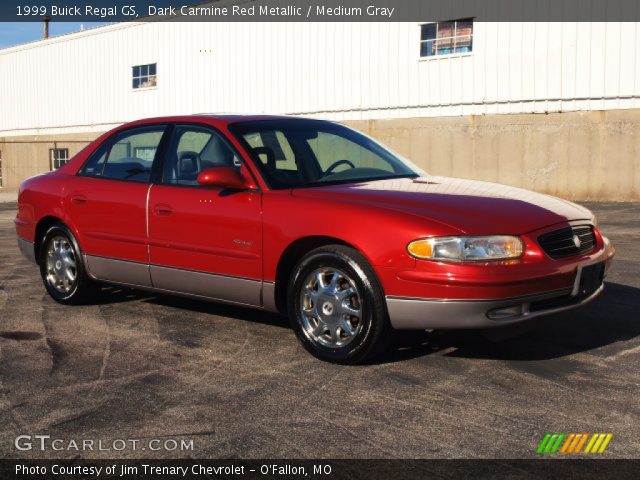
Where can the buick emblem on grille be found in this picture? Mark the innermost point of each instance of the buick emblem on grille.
(576, 241)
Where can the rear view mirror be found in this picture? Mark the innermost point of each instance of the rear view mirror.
(223, 177)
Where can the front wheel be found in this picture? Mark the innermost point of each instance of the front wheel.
(336, 305)
(62, 269)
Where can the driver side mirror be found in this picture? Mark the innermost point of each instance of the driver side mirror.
(223, 177)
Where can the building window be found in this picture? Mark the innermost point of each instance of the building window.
(446, 38)
(144, 76)
(58, 157)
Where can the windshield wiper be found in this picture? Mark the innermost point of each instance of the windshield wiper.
(355, 180)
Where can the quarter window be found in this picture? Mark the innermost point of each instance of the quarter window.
(446, 38)
(58, 157)
(128, 155)
(144, 76)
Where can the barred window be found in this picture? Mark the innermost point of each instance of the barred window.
(446, 38)
(58, 157)
(144, 76)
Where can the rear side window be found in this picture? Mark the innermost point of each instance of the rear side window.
(128, 155)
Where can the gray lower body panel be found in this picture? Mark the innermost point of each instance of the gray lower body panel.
(269, 296)
(27, 249)
(420, 314)
(215, 287)
(112, 270)
(201, 285)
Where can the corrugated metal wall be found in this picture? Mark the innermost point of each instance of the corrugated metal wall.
(343, 71)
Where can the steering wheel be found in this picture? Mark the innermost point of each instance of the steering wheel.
(335, 165)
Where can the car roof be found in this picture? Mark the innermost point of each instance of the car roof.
(216, 120)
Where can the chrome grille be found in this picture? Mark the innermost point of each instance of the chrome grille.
(561, 244)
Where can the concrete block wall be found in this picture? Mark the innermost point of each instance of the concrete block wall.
(25, 156)
(592, 155)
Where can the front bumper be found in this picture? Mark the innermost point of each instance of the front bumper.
(502, 307)
(420, 314)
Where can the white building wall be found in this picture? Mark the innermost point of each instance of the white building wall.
(342, 71)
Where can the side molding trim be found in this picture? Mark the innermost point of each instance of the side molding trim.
(121, 271)
(231, 289)
(209, 286)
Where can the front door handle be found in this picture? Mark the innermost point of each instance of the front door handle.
(163, 209)
(78, 199)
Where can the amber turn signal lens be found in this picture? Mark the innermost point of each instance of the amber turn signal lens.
(421, 248)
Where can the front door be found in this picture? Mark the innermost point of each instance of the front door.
(204, 241)
(107, 204)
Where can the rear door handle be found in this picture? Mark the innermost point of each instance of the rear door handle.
(163, 209)
(78, 199)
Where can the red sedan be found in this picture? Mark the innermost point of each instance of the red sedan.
(307, 218)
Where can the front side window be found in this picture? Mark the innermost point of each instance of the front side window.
(272, 150)
(128, 155)
(58, 157)
(299, 153)
(446, 38)
(194, 149)
(144, 76)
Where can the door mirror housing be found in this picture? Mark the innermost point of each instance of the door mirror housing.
(223, 177)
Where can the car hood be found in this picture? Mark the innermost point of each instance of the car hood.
(470, 206)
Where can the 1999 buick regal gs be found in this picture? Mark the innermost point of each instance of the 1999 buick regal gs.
(308, 218)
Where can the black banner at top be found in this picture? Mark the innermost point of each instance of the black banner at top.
(320, 10)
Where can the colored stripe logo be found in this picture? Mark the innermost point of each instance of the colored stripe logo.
(574, 443)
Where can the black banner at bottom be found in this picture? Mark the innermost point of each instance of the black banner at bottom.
(77, 469)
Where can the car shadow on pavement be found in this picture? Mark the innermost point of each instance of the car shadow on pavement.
(610, 318)
(113, 295)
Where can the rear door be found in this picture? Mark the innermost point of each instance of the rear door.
(204, 241)
(107, 203)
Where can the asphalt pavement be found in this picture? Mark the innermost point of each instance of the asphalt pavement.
(234, 382)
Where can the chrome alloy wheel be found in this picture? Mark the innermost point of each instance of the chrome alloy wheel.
(330, 308)
(61, 264)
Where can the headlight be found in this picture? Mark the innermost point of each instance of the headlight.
(467, 249)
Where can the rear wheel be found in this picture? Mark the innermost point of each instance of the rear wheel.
(62, 269)
(336, 305)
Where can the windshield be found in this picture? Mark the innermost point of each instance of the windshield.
(299, 153)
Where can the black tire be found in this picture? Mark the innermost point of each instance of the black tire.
(371, 328)
(82, 289)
